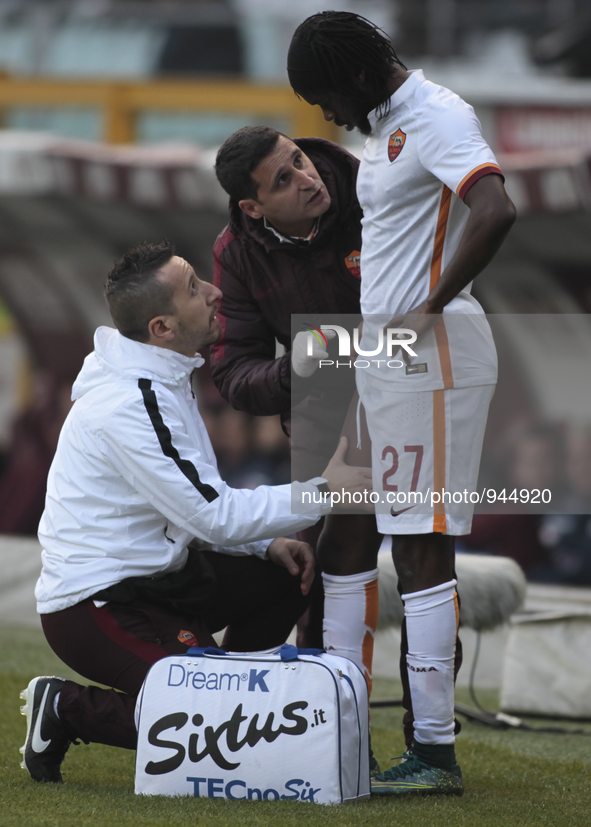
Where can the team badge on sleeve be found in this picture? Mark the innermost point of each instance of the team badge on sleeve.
(395, 144)
(353, 263)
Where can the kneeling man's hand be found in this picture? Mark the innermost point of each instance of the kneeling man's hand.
(297, 557)
(344, 480)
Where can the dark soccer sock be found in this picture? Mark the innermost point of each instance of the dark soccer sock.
(437, 755)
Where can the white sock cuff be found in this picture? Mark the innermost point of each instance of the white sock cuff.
(342, 583)
(451, 584)
(430, 600)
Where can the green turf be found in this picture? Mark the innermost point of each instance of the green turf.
(513, 779)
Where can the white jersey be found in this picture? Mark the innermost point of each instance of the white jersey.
(417, 165)
(135, 479)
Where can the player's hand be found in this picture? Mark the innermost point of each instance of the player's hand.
(304, 363)
(297, 557)
(348, 478)
(420, 319)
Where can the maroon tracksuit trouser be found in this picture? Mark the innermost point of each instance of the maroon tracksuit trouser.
(115, 645)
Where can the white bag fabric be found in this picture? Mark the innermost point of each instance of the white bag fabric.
(547, 665)
(283, 724)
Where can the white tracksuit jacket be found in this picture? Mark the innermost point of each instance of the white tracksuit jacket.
(135, 479)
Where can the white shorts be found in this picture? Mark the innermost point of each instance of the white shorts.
(426, 449)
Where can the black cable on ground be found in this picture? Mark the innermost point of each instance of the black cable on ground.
(496, 720)
(379, 704)
(499, 720)
(473, 676)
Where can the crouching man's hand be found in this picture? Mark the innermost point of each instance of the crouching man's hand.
(344, 480)
(297, 557)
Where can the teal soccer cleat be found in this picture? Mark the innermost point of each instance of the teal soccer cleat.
(415, 777)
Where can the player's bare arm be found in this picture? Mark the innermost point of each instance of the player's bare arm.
(492, 214)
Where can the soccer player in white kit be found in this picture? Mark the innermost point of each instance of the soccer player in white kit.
(435, 213)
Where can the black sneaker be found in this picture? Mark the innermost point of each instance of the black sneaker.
(47, 742)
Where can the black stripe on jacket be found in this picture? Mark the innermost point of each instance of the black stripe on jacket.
(165, 440)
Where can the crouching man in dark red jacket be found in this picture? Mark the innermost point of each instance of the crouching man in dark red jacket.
(292, 246)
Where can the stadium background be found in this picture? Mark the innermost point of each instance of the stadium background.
(111, 114)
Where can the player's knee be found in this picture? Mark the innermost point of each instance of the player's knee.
(423, 560)
(349, 544)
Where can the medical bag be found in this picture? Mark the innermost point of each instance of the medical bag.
(285, 724)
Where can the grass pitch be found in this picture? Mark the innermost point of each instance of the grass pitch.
(513, 778)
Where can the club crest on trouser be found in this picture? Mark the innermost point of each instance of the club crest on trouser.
(353, 263)
(395, 144)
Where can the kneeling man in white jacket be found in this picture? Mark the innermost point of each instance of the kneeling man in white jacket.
(146, 550)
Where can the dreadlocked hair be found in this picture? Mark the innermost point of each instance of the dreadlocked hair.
(345, 45)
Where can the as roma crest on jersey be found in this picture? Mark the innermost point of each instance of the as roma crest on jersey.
(395, 144)
(353, 263)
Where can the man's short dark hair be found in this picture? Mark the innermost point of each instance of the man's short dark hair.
(331, 49)
(240, 154)
(134, 293)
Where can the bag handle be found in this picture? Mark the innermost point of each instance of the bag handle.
(289, 653)
(205, 650)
